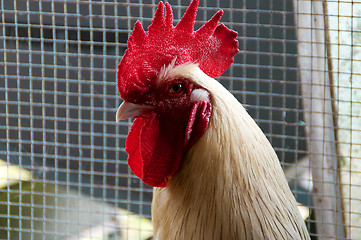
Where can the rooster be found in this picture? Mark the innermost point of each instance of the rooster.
(214, 173)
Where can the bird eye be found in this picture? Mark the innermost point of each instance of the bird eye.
(176, 88)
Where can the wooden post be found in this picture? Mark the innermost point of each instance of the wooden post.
(318, 115)
(345, 58)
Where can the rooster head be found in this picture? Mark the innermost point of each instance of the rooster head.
(171, 112)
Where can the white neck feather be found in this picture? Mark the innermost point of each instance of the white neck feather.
(231, 185)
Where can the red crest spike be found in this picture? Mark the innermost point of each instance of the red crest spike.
(208, 28)
(169, 16)
(138, 37)
(186, 24)
(158, 21)
(213, 47)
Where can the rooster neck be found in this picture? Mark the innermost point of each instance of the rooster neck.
(206, 191)
(230, 186)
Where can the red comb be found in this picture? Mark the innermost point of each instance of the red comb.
(212, 47)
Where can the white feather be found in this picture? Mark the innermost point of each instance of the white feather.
(169, 72)
(165, 71)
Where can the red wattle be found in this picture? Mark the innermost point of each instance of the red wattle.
(155, 148)
(156, 144)
(133, 149)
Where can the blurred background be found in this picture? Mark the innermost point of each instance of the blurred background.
(63, 168)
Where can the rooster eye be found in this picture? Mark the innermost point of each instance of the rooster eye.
(176, 88)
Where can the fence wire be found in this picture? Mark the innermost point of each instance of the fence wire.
(63, 169)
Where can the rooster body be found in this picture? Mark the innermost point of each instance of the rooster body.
(231, 185)
(215, 174)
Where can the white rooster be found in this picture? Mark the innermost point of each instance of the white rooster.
(215, 174)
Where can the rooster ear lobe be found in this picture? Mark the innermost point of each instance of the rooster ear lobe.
(186, 24)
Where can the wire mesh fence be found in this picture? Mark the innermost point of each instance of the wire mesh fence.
(64, 172)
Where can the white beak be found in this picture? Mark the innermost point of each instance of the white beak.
(127, 110)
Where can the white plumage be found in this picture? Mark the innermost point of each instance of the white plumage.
(230, 184)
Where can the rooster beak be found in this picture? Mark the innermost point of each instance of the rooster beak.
(127, 110)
